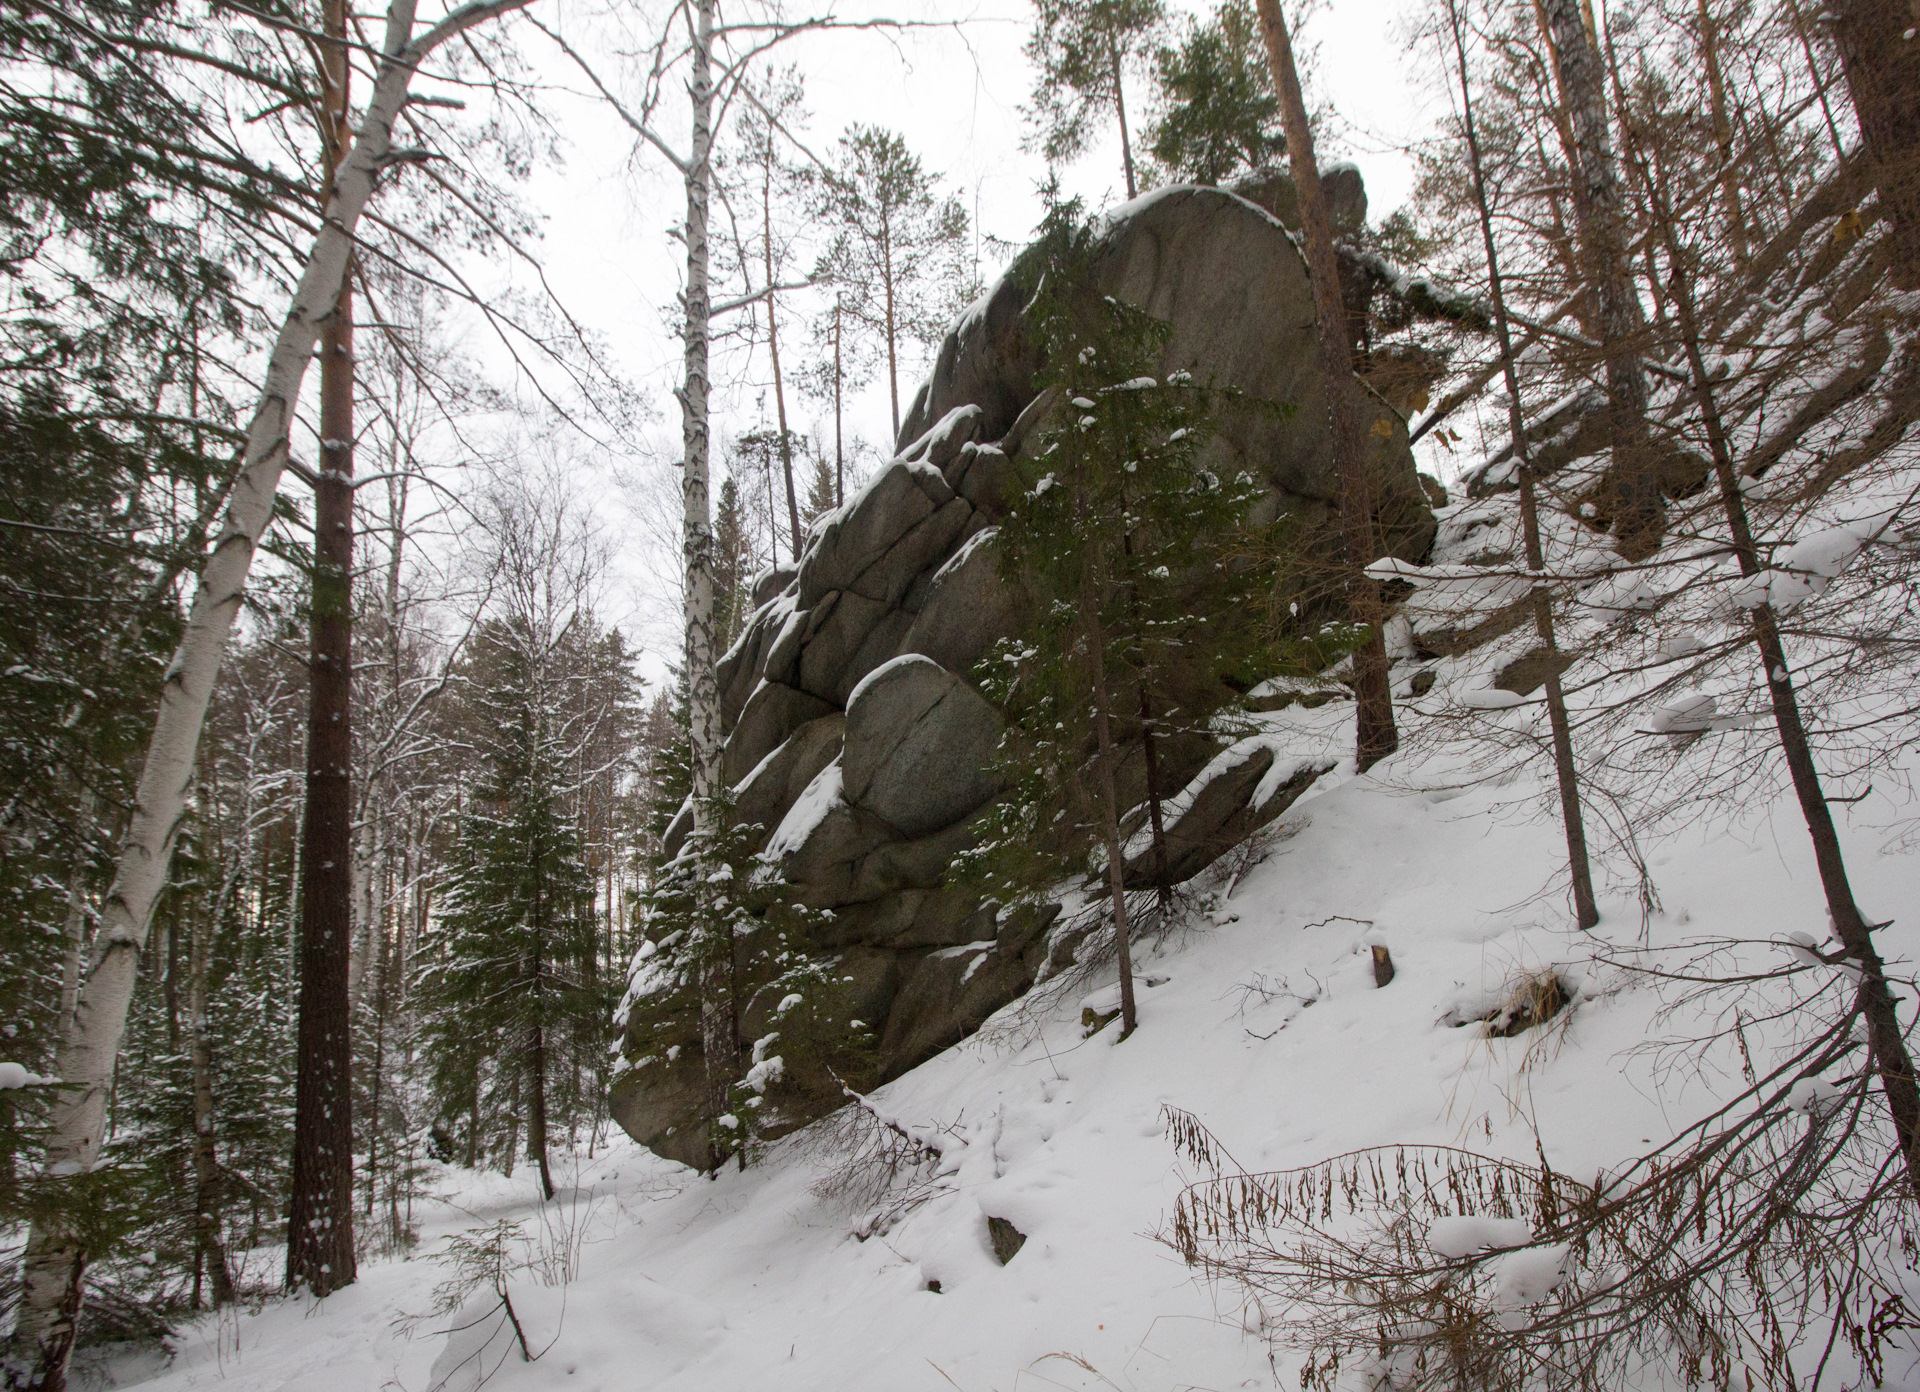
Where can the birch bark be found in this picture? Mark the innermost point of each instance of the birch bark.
(41, 1345)
(1586, 913)
(719, 1057)
(1639, 511)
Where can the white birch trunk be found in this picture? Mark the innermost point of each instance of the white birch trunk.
(42, 1341)
(1639, 512)
(703, 699)
(366, 850)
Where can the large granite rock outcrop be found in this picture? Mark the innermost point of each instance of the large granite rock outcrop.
(857, 736)
(1229, 279)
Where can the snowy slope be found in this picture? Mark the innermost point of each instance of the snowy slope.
(750, 1281)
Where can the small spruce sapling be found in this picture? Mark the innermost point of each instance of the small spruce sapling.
(723, 934)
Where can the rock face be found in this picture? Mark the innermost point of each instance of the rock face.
(856, 735)
(1225, 274)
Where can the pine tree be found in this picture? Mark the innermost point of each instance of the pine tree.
(509, 999)
(1081, 50)
(1219, 116)
(897, 248)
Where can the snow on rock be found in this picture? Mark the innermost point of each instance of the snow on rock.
(1690, 713)
(1528, 1276)
(821, 796)
(1454, 1238)
(1807, 569)
(1490, 698)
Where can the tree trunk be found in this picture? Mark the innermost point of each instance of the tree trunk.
(1874, 998)
(1586, 912)
(55, 1262)
(1120, 109)
(703, 706)
(1882, 65)
(209, 1244)
(1723, 135)
(893, 360)
(1149, 751)
(537, 1077)
(1639, 511)
(839, 452)
(773, 351)
(1375, 737)
(320, 1217)
(1109, 797)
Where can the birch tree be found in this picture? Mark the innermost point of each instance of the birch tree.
(41, 1346)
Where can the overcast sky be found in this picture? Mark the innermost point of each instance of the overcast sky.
(955, 93)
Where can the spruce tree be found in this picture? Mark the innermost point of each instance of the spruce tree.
(1144, 590)
(512, 1000)
(1219, 115)
(823, 492)
(733, 565)
(722, 933)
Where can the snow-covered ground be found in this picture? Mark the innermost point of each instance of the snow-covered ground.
(1262, 1020)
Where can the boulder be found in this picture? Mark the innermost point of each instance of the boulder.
(855, 726)
(951, 991)
(985, 477)
(948, 437)
(772, 581)
(919, 746)
(1232, 797)
(743, 665)
(766, 794)
(966, 610)
(820, 845)
(901, 496)
(1202, 259)
(772, 713)
(1340, 184)
(923, 545)
(655, 1104)
(835, 629)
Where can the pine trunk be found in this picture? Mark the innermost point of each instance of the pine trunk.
(1120, 109)
(1375, 737)
(839, 451)
(320, 1254)
(773, 351)
(1586, 912)
(1874, 997)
